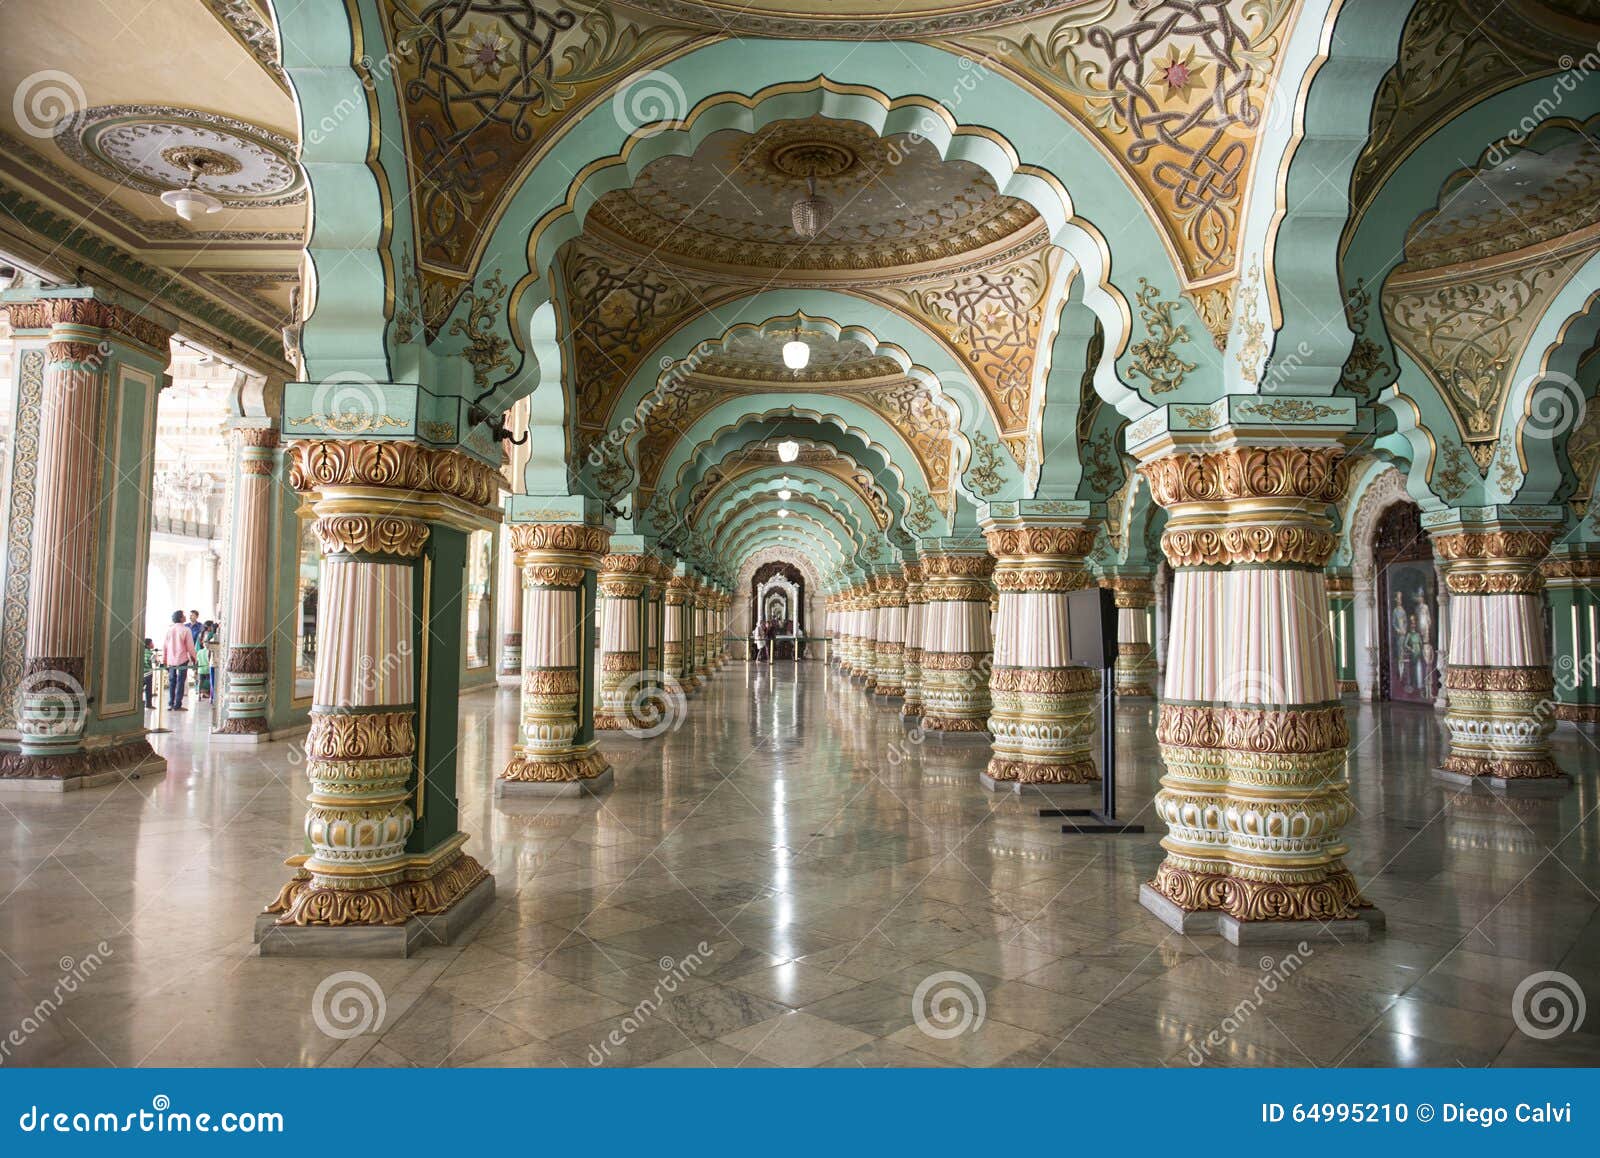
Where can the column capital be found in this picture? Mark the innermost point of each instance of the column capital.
(76, 314)
(1493, 560)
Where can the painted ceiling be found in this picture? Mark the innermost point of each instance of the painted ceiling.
(92, 142)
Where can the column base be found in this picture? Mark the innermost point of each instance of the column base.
(88, 768)
(242, 731)
(1557, 785)
(418, 932)
(437, 895)
(1010, 770)
(575, 773)
(1200, 922)
(944, 730)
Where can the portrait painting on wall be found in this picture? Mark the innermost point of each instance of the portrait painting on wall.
(1410, 626)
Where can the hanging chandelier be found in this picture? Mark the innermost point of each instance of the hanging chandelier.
(788, 450)
(811, 213)
(189, 200)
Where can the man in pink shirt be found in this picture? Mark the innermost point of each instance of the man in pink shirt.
(177, 652)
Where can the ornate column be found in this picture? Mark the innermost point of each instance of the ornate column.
(672, 653)
(654, 587)
(911, 706)
(386, 868)
(90, 368)
(847, 629)
(1342, 628)
(888, 669)
(956, 647)
(1044, 705)
(1497, 679)
(247, 619)
(509, 672)
(1134, 594)
(555, 753)
(623, 579)
(1571, 575)
(1252, 731)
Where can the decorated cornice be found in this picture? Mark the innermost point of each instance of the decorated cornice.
(254, 33)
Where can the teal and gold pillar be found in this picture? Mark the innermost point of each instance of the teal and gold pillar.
(247, 621)
(559, 562)
(1044, 705)
(1572, 588)
(957, 648)
(1342, 628)
(1497, 679)
(90, 367)
(1135, 597)
(386, 870)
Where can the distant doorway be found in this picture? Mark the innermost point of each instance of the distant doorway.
(1408, 604)
(777, 611)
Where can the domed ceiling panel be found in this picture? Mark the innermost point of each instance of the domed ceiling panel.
(726, 208)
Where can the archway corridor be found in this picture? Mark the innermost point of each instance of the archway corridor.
(786, 878)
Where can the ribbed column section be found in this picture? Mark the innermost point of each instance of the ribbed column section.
(509, 671)
(555, 734)
(1043, 715)
(1136, 658)
(956, 644)
(249, 642)
(888, 668)
(1498, 680)
(623, 579)
(53, 707)
(911, 706)
(1251, 729)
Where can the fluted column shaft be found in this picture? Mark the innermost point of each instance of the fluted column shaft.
(623, 580)
(1251, 729)
(911, 706)
(557, 563)
(1043, 715)
(956, 644)
(509, 670)
(888, 669)
(1498, 680)
(53, 702)
(249, 634)
(1136, 660)
(369, 788)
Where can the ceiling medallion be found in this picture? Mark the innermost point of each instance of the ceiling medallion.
(205, 162)
(813, 159)
(159, 148)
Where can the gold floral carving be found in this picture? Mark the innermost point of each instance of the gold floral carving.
(957, 566)
(371, 535)
(1334, 898)
(319, 464)
(1466, 678)
(552, 575)
(1046, 681)
(575, 538)
(1011, 769)
(983, 475)
(1278, 543)
(1151, 357)
(1020, 579)
(1531, 546)
(1018, 542)
(1261, 730)
(1318, 474)
(551, 681)
(526, 766)
(361, 735)
(88, 313)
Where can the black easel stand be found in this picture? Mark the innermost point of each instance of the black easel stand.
(1104, 818)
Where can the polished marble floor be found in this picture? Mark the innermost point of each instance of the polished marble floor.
(789, 880)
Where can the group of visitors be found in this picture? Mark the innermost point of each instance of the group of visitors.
(189, 643)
